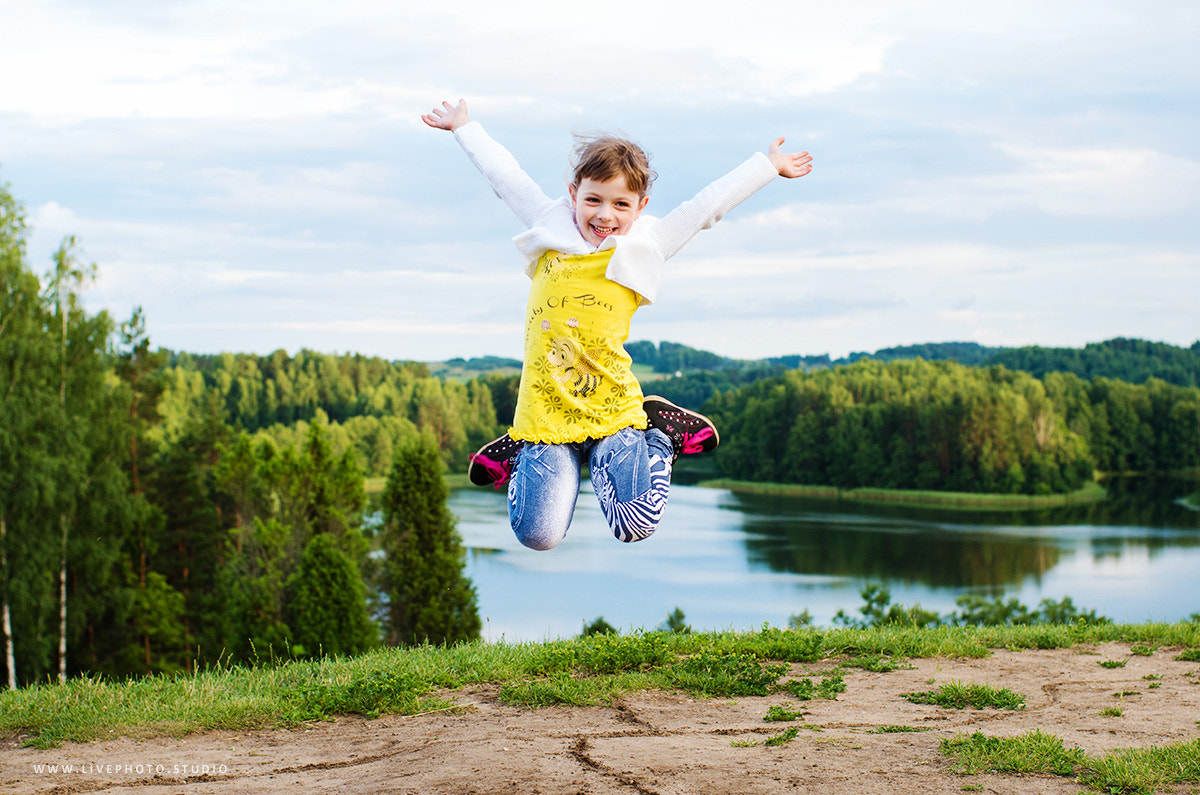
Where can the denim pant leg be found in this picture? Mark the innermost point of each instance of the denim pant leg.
(543, 491)
(631, 473)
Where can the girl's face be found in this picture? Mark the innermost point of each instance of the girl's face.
(604, 209)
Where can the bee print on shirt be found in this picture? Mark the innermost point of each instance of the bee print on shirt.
(572, 363)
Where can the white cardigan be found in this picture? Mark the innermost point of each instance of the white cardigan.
(637, 262)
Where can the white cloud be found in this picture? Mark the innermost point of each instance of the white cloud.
(1102, 182)
(256, 176)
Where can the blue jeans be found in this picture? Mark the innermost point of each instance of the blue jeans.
(631, 474)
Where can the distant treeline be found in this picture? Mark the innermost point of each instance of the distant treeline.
(1122, 359)
(908, 422)
(1125, 405)
(1135, 361)
(371, 405)
(912, 424)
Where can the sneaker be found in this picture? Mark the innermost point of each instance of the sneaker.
(493, 463)
(688, 431)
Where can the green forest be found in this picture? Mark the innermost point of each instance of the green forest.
(160, 510)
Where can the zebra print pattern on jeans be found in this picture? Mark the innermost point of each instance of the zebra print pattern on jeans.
(636, 519)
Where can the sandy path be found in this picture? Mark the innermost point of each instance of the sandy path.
(659, 743)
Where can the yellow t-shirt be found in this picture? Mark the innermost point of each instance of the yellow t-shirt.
(577, 382)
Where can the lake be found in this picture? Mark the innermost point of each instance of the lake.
(735, 561)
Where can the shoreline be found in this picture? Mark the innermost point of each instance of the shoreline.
(957, 500)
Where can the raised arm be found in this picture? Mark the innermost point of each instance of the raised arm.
(708, 206)
(502, 171)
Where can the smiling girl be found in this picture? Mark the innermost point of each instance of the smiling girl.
(594, 259)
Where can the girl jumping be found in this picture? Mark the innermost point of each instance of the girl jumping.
(594, 259)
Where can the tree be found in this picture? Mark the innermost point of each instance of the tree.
(431, 600)
(252, 584)
(66, 280)
(157, 607)
(27, 410)
(329, 603)
(188, 486)
(66, 437)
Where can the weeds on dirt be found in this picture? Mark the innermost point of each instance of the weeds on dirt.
(897, 729)
(1035, 752)
(709, 673)
(1189, 655)
(877, 663)
(778, 713)
(571, 690)
(1137, 770)
(1111, 663)
(828, 688)
(959, 695)
(1127, 770)
(785, 736)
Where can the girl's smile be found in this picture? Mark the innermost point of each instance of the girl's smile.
(604, 209)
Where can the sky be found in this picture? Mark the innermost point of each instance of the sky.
(255, 175)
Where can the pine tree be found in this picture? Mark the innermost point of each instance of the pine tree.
(329, 603)
(431, 598)
(251, 585)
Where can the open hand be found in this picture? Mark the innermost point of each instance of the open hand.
(448, 117)
(795, 164)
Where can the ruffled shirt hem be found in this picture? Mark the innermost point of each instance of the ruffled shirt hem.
(568, 436)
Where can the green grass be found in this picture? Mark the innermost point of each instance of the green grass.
(1035, 752)
(785, 736)
(959, 695)
(592, 670)
(1111, 663)
(1127, 770)
(828, 688)
(1089, 493)
(778, 713)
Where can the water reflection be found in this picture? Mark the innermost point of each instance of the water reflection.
(889, 549)
(939, 548)
(736, 561)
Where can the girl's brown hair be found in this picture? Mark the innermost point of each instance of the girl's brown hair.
(605, 157)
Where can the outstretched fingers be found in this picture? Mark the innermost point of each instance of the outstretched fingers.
(447, 117)
(789, 164)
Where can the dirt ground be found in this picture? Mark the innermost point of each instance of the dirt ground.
(659, 743)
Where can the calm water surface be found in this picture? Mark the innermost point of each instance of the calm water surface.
(737, 561)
